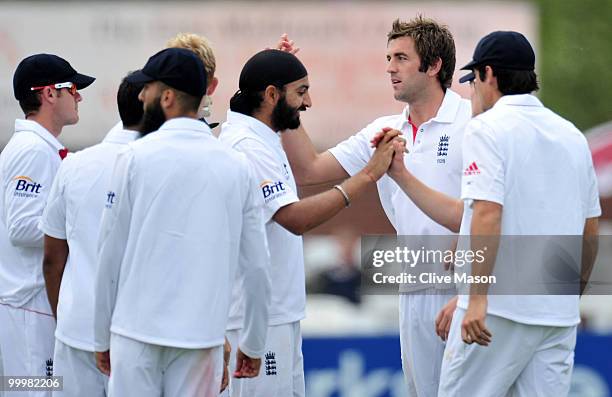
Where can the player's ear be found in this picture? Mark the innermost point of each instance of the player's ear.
(435, 67)
(271, 95)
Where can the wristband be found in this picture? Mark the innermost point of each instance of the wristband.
(347, 201)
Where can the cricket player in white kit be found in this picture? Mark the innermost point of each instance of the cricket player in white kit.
(71, 223)
(184, 217)
(421, 62)
(46, 87)
(273, 90)
(528, 172)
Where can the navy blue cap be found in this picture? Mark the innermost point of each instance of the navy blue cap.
(178, 68)
(45, 69)
(507, 50)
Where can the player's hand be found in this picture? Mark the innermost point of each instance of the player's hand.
(397, 166)
(103, 362)
(380, 135)
(286, 45)
(473, 328)
(227, 350)
(443, 321)
(246, 367)
(381, 159)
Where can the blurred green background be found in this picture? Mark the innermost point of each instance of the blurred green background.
(575, 66)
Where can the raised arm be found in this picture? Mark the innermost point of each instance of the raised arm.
(443, 209)
(310, 167)
(304, 215)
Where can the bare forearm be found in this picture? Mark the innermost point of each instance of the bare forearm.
(54, 263)
(484, 238)
(445, 210)
(310, 167)
(590, 247)
(306, 214)
(53, 273)
(300, 151)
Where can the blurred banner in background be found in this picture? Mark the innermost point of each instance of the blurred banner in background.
(371, 367)
(342, 44)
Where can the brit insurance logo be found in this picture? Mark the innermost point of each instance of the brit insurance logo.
(443, 149)
(26, 187)
(272, 190)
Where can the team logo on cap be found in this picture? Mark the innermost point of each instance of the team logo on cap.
(26, 187)
(272, 190)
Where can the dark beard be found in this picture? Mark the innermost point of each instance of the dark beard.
(285, 117)
(153, 117)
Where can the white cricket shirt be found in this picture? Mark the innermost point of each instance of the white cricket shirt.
(28, 165)
(277, 188)
(434, 158)
(74, 209)
(182, 218)
(538, 166)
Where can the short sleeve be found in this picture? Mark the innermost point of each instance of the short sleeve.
(354, 153)
(31, 175)
(593, 207)
(53, 221)
(268, 171)
(483, 165)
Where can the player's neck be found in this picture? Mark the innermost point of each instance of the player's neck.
(47, 122)
(264, 117)
(426, 106)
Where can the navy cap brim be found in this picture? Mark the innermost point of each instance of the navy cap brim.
(467, 78)
(82, 80)
(470, 65)
(139, 77)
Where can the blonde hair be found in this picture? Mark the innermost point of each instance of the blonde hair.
(200, 46)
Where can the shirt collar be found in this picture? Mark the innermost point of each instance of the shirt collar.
(255, 125)
(31, 125)
(119, 135)
(185, 123)
(447, 111)
(519, 100)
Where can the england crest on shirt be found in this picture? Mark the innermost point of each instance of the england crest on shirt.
(443, 148)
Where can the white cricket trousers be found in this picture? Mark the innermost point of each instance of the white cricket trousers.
(422, 350)
(144, 370)
(282, 366)
(521, 361)
(78, 369)
(27, 340)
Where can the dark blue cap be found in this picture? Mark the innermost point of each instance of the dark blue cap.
(506, 50)
(176, 67)
(45, 69)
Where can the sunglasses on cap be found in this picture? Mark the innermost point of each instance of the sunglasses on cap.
(72, 88)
